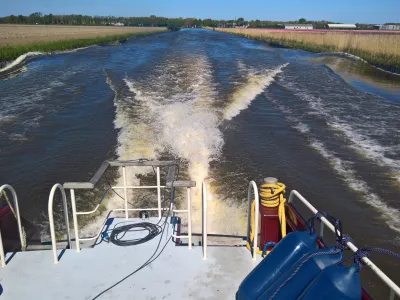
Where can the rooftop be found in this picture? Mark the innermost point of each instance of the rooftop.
(298, 25)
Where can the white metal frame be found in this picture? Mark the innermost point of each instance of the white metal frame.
(51, 219)
(16, 208)
(125, 187)
(394, 288)
(204, 219)
(253, 190)
(188, 211)
(2, 256)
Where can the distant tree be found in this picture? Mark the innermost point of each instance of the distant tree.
(240, 22)
(21, 19)
(12, 19)
(39, 18)
(208, 23)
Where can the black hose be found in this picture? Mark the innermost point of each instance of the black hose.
(118, 233)
(153, 231)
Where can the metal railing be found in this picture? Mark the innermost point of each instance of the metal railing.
(2, 255)
(51, 219)
(170, 183)
(253, 190)
(189, 213)
(394, 288)
(17, 215)
(204, 219)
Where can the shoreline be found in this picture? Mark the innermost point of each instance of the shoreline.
(10, 54)
(362, 56)
(378, 61)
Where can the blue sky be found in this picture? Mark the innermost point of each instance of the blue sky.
(346, 11)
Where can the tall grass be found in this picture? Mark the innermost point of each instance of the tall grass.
(8, 52)
(379, 49)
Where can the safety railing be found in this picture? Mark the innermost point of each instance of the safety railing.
(17, 216)
(51, 219)
(2, 255)
(394, 288)
(189, 214)
(204, 218)
(253, 190)
(170, 183)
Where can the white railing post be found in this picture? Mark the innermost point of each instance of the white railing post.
(51, 219)
(253, 188)
(2, 256)
(159, 193)
(15, 200)
(249, 200)
(189, 207)
(125, 192)
(204, 219)
(75, 218)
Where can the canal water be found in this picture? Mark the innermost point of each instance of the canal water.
(230, 109)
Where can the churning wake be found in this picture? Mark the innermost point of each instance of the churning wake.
(368, 124)
(173, 111)
(254, 85)
(20, 60)
(343, 168)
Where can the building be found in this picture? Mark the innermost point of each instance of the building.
(298, 26)
(387, 27)
(341, 26)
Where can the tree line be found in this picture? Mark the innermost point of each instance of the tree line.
(152, 21)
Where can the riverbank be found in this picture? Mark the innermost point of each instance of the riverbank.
(381, 50)
(19, 40)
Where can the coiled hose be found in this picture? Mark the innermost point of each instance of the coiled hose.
(271, 195)
(119, 232)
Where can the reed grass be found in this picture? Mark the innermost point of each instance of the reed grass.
(10, 52)
(379, 49)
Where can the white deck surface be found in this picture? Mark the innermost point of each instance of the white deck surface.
(179, 273)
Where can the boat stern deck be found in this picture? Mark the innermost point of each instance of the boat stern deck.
(178, 273)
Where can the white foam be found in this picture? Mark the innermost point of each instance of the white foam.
(246, 93)
(344, 170)
(20, 60)
(368, 147)
(153, 120)
(303, 128)
(18, 137)
(358, 136)
(173, 111)
(7, 118)
(355, 57)
(183, 124)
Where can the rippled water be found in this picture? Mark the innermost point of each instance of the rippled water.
(230, 108)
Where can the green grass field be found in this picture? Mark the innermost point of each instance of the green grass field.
(10, 52)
